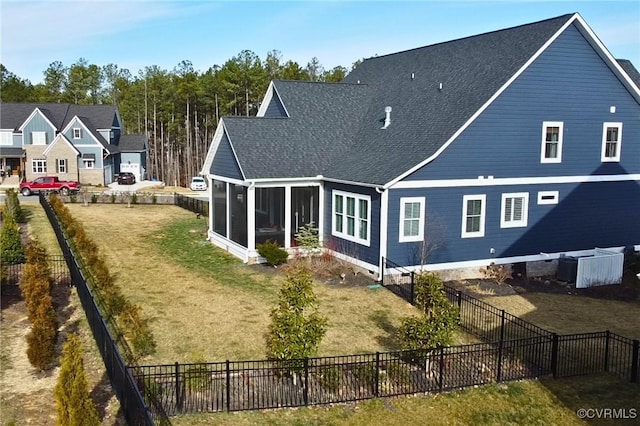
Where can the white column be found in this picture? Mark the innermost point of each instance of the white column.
(287, 216)
(384, 213)
(211, 203)
(251, 221)
(228, 204)
(321, 213)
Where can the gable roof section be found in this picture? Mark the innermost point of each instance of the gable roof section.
(14, 114)
(319, 129)
(631, 71)
(60, 138)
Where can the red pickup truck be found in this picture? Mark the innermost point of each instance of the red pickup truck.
(49, 184)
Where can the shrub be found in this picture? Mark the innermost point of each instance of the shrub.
(296, 327)
(113, 198)
(154, 198)
(329, 378)
(499, 273)
(73, 198)
(398, 373)
(12, 206)
(197, 377)
(272, 252)
(11, 249)
(366, 374)
(73, 402)
(94, 198)
(41, 341)
(307, 237)
(134, 198)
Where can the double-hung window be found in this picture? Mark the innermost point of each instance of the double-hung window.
(77, 133)
(39, 165)
(611, 141)
(551, 151)
(473, 215)
(411, 219)
(62, 165)
(514, 210)
(352, 217)
(39, 138)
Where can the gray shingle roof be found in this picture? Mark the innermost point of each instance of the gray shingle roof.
(334, 130)
(132, 143)
(13, 115)
(320, 128)
(631, 71)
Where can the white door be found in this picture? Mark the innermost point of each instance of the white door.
(108, 174)
(133, 168)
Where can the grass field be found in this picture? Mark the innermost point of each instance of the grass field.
(206, 305)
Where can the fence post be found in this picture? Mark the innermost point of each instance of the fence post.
(413, 280)
(441, 370)
(228, 390)
(305, 390)
(634, 361)
(500, 347)
(459, 299)
(377, 391)
(382, 271)
(502, 321)
(606, 351)
(178, 388)
(554, 356)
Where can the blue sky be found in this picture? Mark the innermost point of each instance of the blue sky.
(135, 33)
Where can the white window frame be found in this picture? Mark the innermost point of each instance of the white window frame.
(62, 165)
(6, 138)
(605, 126)
(343, 233)
(77, 133)
(548, 197)
(483, 211)
(545, 126)
(514, 223)
(39, 166)
(89, 164)
(38, 138)
(403, 202)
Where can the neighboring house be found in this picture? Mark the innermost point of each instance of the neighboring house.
(512, 146)
(74, 142)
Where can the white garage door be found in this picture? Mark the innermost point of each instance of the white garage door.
(133, 168)
(108, 174)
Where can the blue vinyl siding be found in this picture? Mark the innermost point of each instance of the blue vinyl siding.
(368, 254)
(275, 108)
(86, 138)
(16, 141)
(38, 123)
(224, 162)
(131, 157)
(570, 83)
(588, 215)
(95, 151)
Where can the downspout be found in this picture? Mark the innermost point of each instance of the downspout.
(384, 212)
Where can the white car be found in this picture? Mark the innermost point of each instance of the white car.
(198, 184)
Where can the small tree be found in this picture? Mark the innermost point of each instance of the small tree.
(41, 341)
(11, 248)
(74, 405)
(435, 327)
(12, 206)
(307, 237)
(296, 327)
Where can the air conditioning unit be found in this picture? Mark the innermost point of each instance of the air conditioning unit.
(567, 269)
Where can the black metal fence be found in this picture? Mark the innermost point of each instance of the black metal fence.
(122, 381)
(11, 274)
(195, 205)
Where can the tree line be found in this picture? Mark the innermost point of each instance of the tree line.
(178, 110)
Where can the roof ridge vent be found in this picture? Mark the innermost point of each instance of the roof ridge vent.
(387, 118)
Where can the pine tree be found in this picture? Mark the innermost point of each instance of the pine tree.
(74, 405)
(41, 341)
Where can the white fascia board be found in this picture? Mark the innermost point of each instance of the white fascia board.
(61, 137)
(37, 111)
(354, 183)
(366, 265)
(229, 180)
(215, 142)
(266, 100)
(235, 156)
(84, 126)
(545, 180)
(271, 182)
(604, 53)
(485, 106)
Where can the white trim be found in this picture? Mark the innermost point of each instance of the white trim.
(366, 265)
(233, 151)
(36, 111)
(43, 165)
(213, 148)
(266, 100)
(287, 216)
(605, 126)
(84, 126)
(42, 138)
(544, 194)
(79, 130)
(356, 217)
(3, 138)
(483, 211)
(251, 219)
(62, 137)
(321, 214)
(274, 182)
(60, 161)
(485, 106)
(420, 236)
(227, 180)
(384, 225)
(541, 180)
(351, 182)
(545, 126)
(506, 260)
(513, 223)
(230, 246)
